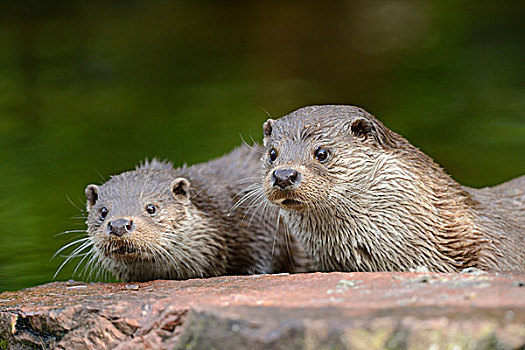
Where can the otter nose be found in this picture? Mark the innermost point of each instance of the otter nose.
(285, 178)
(120, 226)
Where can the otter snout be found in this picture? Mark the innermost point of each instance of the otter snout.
(120, 227)
(284, 178)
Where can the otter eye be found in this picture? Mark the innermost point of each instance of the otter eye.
(103, 213)
(321, 154)
(151, 209)
(272, 156)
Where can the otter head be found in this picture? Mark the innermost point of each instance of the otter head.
(314, 153)
(137, 222)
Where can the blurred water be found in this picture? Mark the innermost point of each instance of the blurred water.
(88, 89)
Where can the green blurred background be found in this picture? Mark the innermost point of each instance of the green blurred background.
(88, 89)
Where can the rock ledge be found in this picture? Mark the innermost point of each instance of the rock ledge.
(311, 311)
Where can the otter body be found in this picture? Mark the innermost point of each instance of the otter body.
(159, 222)
(362, 198)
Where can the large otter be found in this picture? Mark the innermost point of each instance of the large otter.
(362, 198)
(159, 222)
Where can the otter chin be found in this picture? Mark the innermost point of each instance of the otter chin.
(362, 198)
(286, 199)
(291, 203)
(125, 251)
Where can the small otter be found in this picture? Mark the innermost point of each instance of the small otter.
(159, 222)
(362, 198)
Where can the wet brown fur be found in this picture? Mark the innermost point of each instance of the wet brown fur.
(379, 204)
(192, 233)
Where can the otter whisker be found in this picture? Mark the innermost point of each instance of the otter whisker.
(256, 195)
(258, 206)
(82, 247)
(252, 193)
(246, 180)
(94, 263)
(74, 254)
(288, 240)
(265, 206)
(255, 201)
(69, 231)
(73, 203)
(91, 252)
(276, 232)
(69, 245)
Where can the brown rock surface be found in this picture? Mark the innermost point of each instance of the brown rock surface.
(310, 311)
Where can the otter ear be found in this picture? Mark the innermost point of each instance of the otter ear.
(268, 127)
(92, 196)
(361, 127)
(180, 188)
